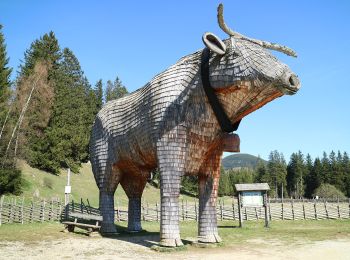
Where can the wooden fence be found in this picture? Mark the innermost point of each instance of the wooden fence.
(19, 210)
(287, 209)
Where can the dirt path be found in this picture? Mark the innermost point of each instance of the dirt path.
(138, 248)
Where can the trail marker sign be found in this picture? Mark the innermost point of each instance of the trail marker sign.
(252, 195)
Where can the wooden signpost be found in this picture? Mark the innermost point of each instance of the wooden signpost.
(252, 195)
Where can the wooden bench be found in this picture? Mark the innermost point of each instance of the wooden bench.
(84, 221)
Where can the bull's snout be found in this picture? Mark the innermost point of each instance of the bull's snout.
(290, 83)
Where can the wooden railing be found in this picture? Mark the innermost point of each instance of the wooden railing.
(20, 210)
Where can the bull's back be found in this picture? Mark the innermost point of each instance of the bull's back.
(126, 130)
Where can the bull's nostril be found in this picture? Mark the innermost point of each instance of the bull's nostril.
(293, 81)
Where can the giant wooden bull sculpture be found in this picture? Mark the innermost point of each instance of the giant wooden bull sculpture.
(178, 123)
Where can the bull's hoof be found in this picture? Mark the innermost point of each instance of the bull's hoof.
(213, 238)
(171, 242)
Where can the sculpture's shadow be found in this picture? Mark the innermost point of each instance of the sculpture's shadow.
(143, 238)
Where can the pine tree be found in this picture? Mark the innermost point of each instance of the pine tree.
(119, 89)
(69, 130)
(109, 91)
(5, 87)
(261, 172)
(346, 168)
(10, 176)
(277, 171)
(46, 49)
(115, 90)
(326, 169)
(37, 73)
(224, 184)
(99, 94)
(296, 173)
(338, 174)
(315, 178)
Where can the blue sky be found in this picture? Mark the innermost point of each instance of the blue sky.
(135, 40)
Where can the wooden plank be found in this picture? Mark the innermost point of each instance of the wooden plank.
(81, 224)
(85, 216)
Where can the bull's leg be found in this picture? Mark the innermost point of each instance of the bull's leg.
(171, 166)
(169, 220)
(107, 211)
(108, 185)
(208, 191)
(133, 186)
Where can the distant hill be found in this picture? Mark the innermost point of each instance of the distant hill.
(240, 160)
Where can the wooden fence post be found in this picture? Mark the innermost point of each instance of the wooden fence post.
(315, 206)
(22, 215)
(325, 208)
(11, 210)
(338, 208)
(43, 211)
(240, 210)
(147, 212)
(59, 209)
(282, 208)
(304, 209)
(143, 210)
(221, 210)
(233, 209)
(182, 208)
(1, 206)
(14, 210)
(266, 217)
(118, 216)
(195, 210)
(31, 211)
(292, 202)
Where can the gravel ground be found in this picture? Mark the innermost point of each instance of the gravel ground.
(139, 248)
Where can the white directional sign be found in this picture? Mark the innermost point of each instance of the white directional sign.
(67, 189)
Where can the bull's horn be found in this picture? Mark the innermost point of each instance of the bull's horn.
(268, 45)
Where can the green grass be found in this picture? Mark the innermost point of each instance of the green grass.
(285, 232)
(47, 185)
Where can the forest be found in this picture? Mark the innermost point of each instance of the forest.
(47, 111)
(301, 177)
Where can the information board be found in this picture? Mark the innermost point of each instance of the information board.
(252, 199)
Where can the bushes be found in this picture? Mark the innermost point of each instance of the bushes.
(10, 180)
(328, 191)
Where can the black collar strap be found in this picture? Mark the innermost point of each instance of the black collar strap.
(220, 114)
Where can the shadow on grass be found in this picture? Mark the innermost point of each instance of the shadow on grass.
(229, 226)
(144, 238)
(149, 239)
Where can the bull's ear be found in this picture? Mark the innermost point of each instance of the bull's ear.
(214, 43)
